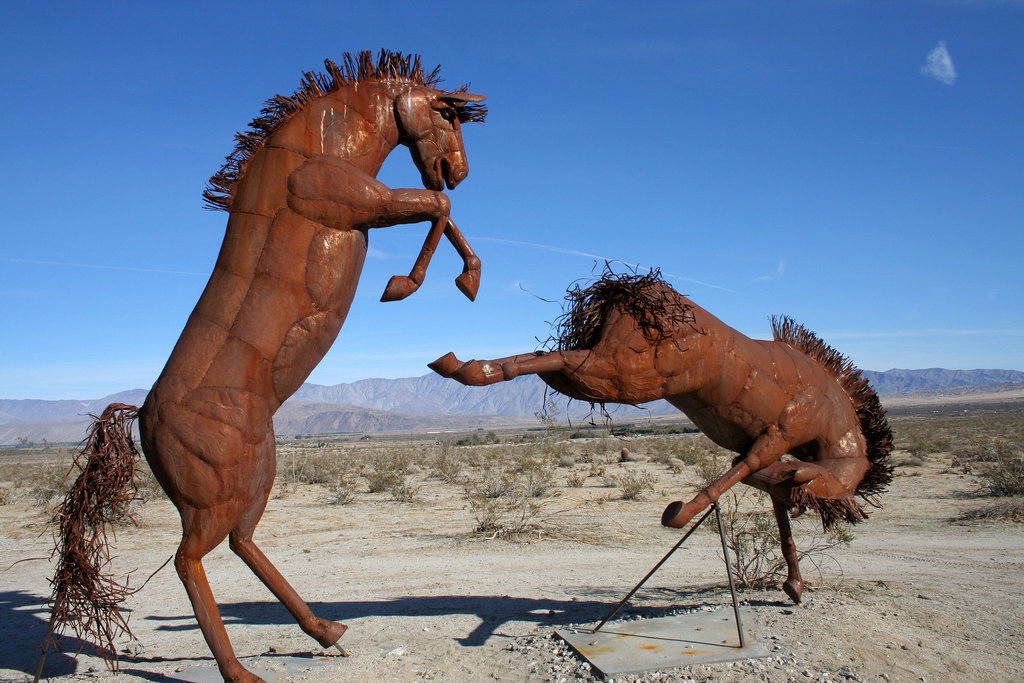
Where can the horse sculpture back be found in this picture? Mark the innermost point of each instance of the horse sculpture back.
(633, 339)
(301, 191)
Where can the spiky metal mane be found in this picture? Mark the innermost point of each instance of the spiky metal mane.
(874, 426)
(354, 68)
(658, 309)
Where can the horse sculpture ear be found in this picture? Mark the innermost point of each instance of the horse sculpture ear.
(462, 97)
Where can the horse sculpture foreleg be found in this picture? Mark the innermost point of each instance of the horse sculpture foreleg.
(767, 449)
(483, 372)
(337, 194)
(469, 281)
(401, 286)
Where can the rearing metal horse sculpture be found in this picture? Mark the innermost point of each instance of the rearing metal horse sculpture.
(302, 195)
(633, 339)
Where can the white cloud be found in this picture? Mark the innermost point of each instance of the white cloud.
(939, 65)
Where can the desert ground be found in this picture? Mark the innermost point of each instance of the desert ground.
(446, 573)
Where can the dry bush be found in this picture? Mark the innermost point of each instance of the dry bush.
(50, 481)
(147, 487)
(449, 466)
(752, 534)
(577, 479)
(675, 465)
(752, 537)
(903, 459)
(1001, 511)
(924, 436)
(632, 484)
(507, 497)
(998, 461)
(390, 471)
(341, 490)
(305, 465)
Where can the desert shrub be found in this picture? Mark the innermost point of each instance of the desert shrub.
(390, 471)
(49, 482)
(710, 468)
(6, 494)
(1004, 510)
(298, 465)
(576, 479)
(675, 465)
(147, 487)
(476, 440)
(567, 459)
(341, 490)
(506, 499)
(698, 449)
(534, 475)
(997, 461)
(633, 484)
(447, 465)
(488, 512)
(752, 536)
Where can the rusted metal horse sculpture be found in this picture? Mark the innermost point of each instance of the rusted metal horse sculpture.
(632, 339)
(301, 191)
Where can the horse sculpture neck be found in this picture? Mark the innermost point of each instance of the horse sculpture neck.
(355, 123)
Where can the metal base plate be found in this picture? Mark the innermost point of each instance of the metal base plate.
(649, 644)
(271, 668)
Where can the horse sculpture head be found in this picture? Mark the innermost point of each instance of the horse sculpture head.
(358, 111)
(430, 125)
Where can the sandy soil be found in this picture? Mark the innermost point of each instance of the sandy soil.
(918, 597)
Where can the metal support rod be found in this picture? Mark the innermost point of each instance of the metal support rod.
(651, 573)
(728, 570)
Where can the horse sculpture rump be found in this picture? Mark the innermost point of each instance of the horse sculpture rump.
(301, 191)
(632, 339)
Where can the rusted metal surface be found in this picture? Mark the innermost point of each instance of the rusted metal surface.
(662, 643)
(633, 339)
(302, 196)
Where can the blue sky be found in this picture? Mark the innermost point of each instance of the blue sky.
(856, 165)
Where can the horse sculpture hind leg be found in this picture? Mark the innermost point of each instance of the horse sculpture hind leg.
(794, 583)
(214, 507)
(323, 631)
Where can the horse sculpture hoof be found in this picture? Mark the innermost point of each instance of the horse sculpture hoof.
(445, 365)
(794, 589)
(332, 632)
(399, 287)
(469, 283)
(673, 517)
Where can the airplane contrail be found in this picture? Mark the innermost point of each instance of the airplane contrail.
(585, 254)
(99, 267)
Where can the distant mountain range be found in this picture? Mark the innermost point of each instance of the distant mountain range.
(421, 404)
